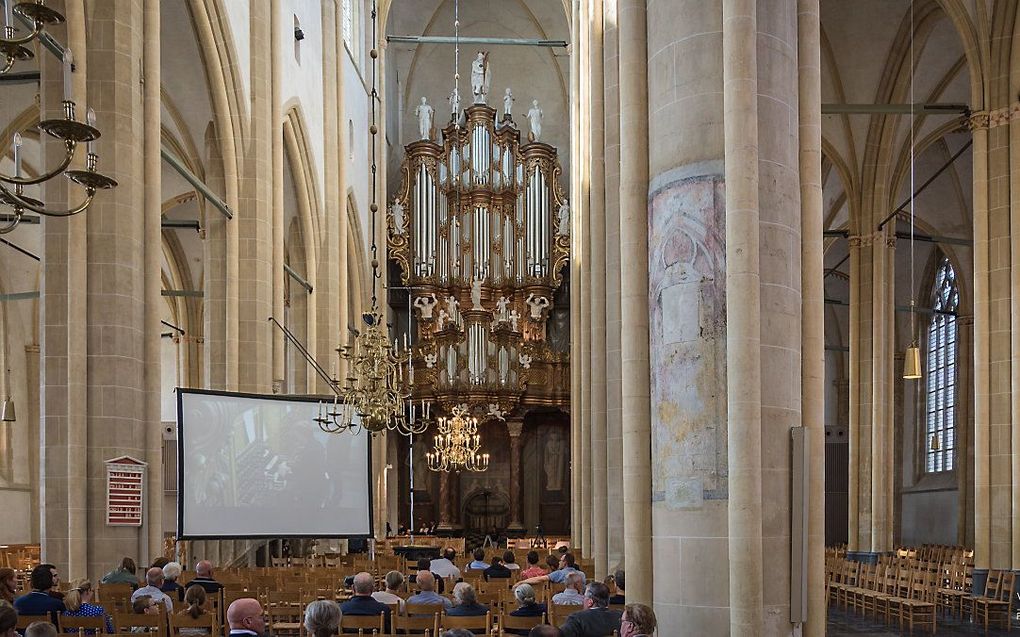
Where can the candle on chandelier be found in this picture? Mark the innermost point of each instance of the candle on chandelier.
(68, 59)
(17, 154)
(7, 13)
(90, 119)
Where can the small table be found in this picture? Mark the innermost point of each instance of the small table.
(415, 553)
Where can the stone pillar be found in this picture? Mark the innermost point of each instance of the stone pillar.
(514, 428)
(965, 429)
(857, 440)
(881, 450)
(597, 289)
(982, 432)
(614, 425)
(576, 293)
(637, 510)
(153, 260)
(279, 38)
(813, 296)
(32, 411)
(743, 333)
(445, 503)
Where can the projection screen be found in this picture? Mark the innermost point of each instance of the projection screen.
(259, 466)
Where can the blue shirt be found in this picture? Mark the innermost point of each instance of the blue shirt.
(479, 565)
(468, 610)
(366, 605)
(89, 610)
(429, 597)
(39, 603)
(560, 576)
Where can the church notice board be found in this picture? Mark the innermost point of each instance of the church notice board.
(125, 485)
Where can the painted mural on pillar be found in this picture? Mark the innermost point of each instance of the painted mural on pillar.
(687, 282)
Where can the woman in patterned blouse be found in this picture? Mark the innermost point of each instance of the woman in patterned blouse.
(78, 603)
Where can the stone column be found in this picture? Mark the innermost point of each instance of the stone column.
(445, 503)
(982, 440)
(278, 38)
(34, 424)
(1013, 294)
(856, 440)
(881, 392)
(813, 295)
(330, 313)
(153, 259)
(576, 293)
(597, 262)
(637, 510)
(743, 297)
(514, 428)
(965, 422)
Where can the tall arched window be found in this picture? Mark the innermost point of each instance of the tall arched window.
(350, 26)
(941, 408)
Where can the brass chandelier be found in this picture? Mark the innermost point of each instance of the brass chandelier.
(376, 394)
(455, 446)
(66, 129)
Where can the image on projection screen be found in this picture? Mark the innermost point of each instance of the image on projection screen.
(250, 466)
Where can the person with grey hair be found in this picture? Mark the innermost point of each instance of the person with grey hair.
(154, 581)
(394, 580)
(171, 571)
(596, 618)
(322, 618)
(467, 602)
(458, 632)
(526, 606)
(362, 603)
(573, 594)
(426, 584)
(41, 629)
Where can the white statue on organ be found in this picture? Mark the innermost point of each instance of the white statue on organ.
(537, 304)
(496, 412)
(425, 304)
(476, 294)
(453, 308)
(508, 103)
(424, 113)
(481, 78)
(454, 103)
(441, 321)
(535, 121)
(525, 361)
(430, 360)
(514, 317)
(398, 217)
(501, 306)
(564, 218)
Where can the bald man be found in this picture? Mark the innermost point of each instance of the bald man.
(204, 577)
(153, 588)
(244, 616)
(362, 603)
(427, 591)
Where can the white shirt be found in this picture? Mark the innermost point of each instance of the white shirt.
(386, 597)
(444, 568)
(568, 596)
(155, 594)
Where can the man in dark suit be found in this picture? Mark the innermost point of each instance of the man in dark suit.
(363, 603)
(204, 578)
(596, 620)
(39, 601)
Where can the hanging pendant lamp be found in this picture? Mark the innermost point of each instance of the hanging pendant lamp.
(912, 357)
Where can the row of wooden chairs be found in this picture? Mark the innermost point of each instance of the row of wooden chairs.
(160, 624)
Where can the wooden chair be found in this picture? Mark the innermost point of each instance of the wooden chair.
(478, 624)
(558, 613)
(24, 621)
(207, 621)
(988, 610)
(412, 610)
(416, 625)
(508, 622)
(123, 623)
(364, 623)
(81, 625)
(991, 592)
(285, 612)
(919, 608)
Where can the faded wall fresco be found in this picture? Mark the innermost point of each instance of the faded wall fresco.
(687, 332)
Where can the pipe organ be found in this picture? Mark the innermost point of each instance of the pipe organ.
(475, 228)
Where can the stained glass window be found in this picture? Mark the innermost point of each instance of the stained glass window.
(940, 438)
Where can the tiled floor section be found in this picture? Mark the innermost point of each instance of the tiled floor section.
(848, 624)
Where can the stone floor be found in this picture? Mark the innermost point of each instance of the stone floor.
(847, 624)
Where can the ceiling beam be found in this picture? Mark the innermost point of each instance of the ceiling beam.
(895, 109)
(446, 39)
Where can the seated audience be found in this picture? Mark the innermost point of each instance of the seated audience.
(8, 621)
(394, 580)
(552, 562)
(596, 619)
(458, 632)
(38, 601)
(444, 566)
(638, 621)
(171, 571)
(479, 561)
(144, 605)
(573, 594)
(510, 561)
(526, 606)
(362, 603)
(41, 629)
(55, 589)
(159, 562)
(620, 597)
(194, 607)
(78, 603)
(322, 618)
(533, 570)
(153, 588)
(204, 577)
(244, 617)
(8, 586)
(545, 630)
(126, 573)
(425, 564)
(567, 567)
(426, 584)
(467, 602)
(497, 570)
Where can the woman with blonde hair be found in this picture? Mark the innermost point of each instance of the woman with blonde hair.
(194, 607)
(78, 603)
